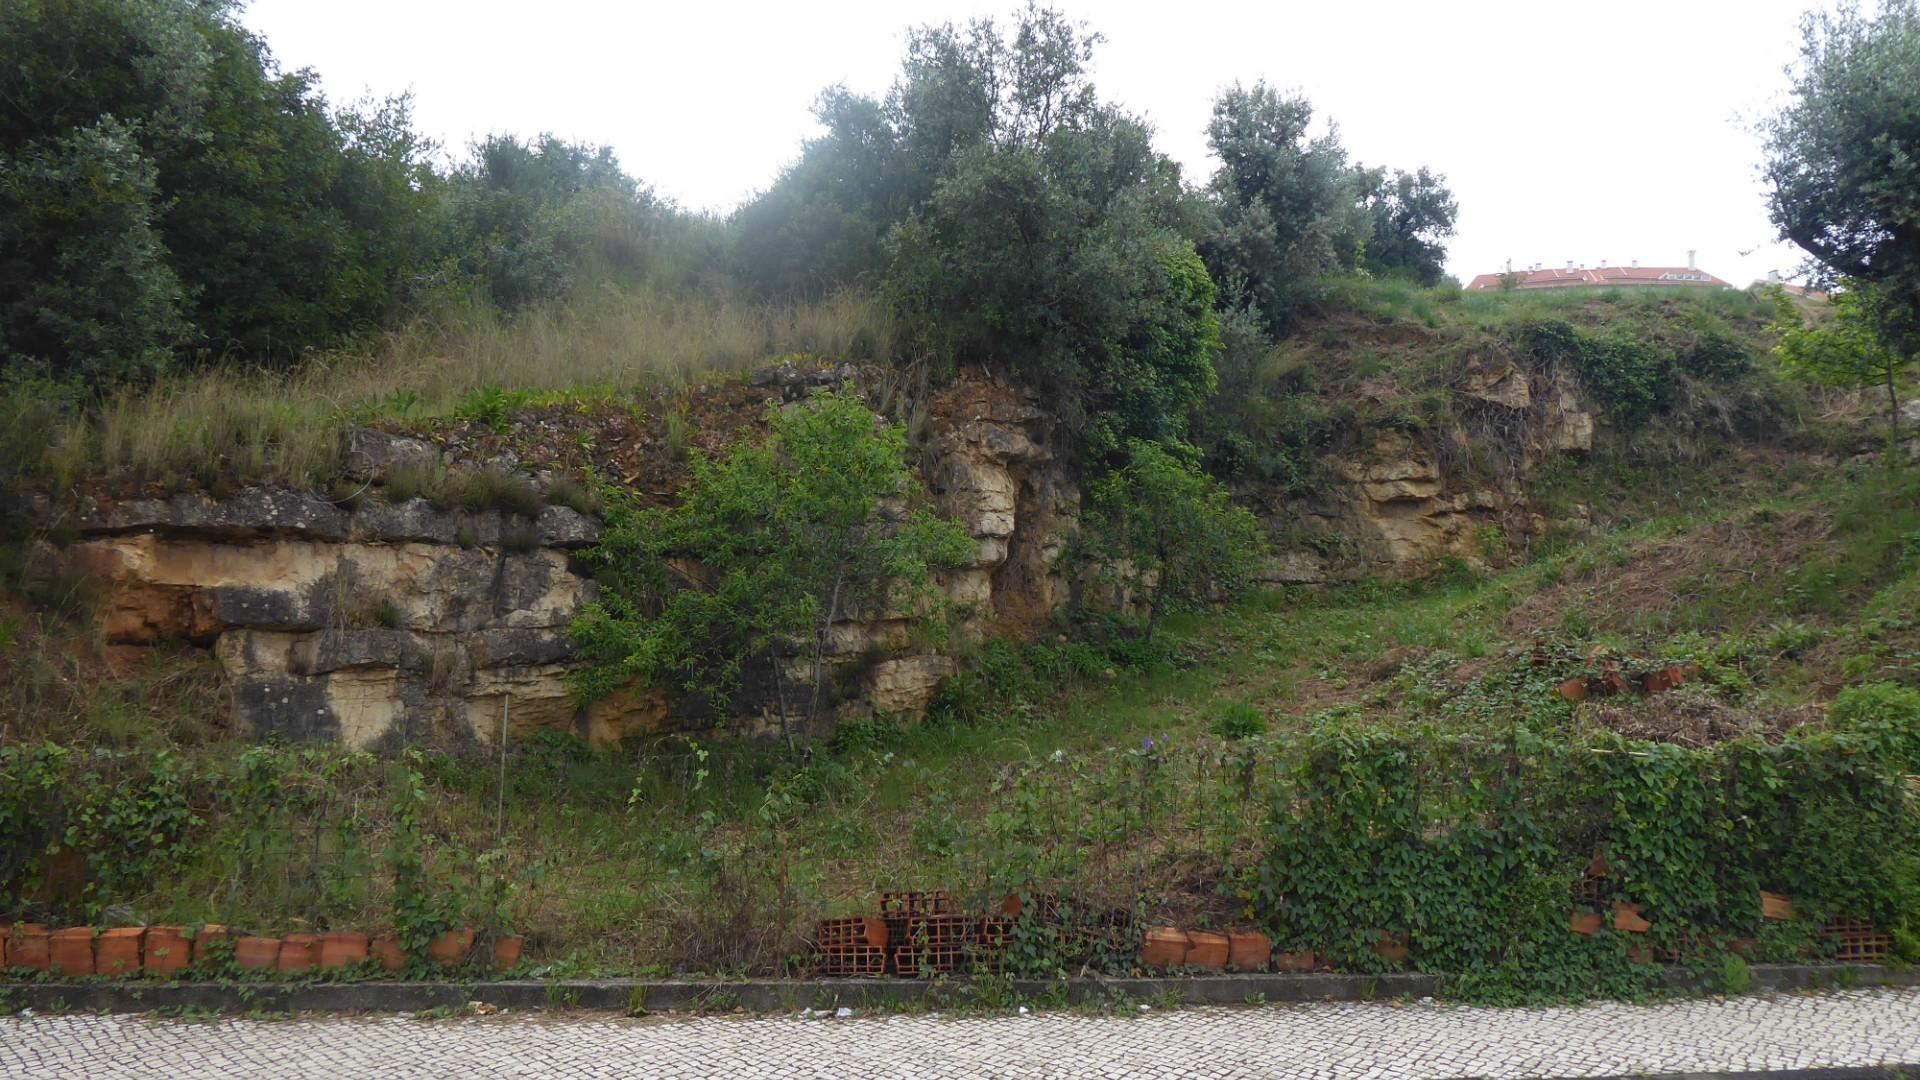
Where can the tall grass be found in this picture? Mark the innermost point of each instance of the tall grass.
(1393, 299)
(228, 425)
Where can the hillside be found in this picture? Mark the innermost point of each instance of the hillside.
(1734, 533)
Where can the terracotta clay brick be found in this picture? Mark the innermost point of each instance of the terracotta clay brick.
(117, 951)
(386, 949)
(341, 948)
(1392, 948)
(297, 952)
(1775, 906)
(1207, 949)
(506, 953)
(1248, 950)
(167, 951)
(1586, 923)
(1629, 917)
(1857, 942)
(206, 941)
(860, 930)
(1165, 947)
(852, 961)
(449, 948)
(72, 950)
(29, 947)
(256, 953)
(1296, 961)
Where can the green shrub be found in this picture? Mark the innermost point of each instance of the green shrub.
(494, 489)
(1717, 356)
(1239, 720)
(1631, 376)
(1885, 712)
(786, 539)
(1165, 535)
(570, 493)
(1471, 844)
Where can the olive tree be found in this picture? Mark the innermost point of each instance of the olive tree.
(1843, 155)
(1843, 166)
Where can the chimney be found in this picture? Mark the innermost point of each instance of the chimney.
(1773, 276)
(1690, 255)
(1569, 266)
(1603, 264)
(1509, 266)
(1636, 264)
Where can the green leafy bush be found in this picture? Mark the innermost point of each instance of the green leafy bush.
(1717, 356)
(1885, 712)
(769, 547)
(1239, 720)
(1632, 376)
(1167, 535)
(1471, 845)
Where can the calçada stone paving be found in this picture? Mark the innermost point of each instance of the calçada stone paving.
(1788, 1031)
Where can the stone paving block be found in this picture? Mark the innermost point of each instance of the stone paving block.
(1867, 1031)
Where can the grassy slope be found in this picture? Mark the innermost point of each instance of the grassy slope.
(675, 856)
(1785, 577)
(227, 427)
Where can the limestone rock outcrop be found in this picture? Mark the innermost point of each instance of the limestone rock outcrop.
(387, 621)
(1393, 506)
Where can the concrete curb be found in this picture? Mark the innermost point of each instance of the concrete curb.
(770, 995)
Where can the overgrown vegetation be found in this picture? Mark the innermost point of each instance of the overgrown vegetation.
(1370, 759)
(767, 550)
(1328, 765)
(1844, 188)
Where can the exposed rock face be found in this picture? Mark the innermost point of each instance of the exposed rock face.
(1395, 507)
(995, 472)
(392, 622)
(387, 622)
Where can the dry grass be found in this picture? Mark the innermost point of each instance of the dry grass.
(229, 426)
(1723, 573)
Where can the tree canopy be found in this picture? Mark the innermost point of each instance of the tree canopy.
(1867, 339)
(1286, 207)
(1843, 155)
(169, 195)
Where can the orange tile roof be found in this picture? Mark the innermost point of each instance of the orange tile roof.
(1599, 276)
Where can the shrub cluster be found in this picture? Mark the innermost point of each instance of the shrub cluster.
(1472, 845)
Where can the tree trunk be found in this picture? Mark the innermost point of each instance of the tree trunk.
(780, 703)
(820, 636)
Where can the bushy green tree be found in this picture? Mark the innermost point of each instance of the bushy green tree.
(1168, 534)
(769, 547)
(823, 223)
(1843, 162)
(1843, 155)
(525, 220)
(1284, 202)
(85, 291)
(1285, 207)
(284, 224)
(1867, 340)
(1063, 262)
(1412, 215)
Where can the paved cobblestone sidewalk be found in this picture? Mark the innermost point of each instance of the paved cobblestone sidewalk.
(1852, 1028)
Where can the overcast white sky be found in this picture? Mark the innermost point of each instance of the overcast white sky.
(1582, 132)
